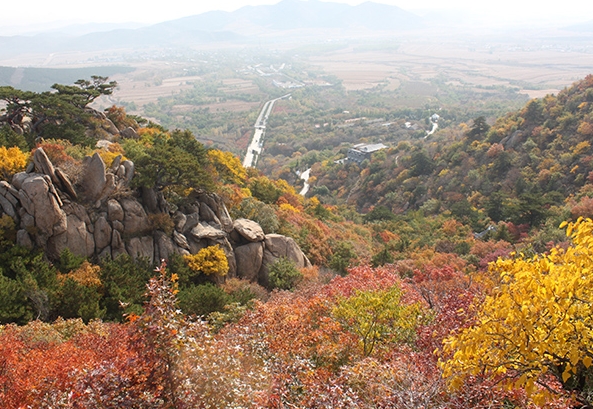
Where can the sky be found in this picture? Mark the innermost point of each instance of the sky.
(19, 18)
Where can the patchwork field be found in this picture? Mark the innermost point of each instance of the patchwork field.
(536, 67)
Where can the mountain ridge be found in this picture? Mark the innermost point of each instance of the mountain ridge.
(221, 26)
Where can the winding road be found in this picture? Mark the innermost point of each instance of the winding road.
(435, 126)
(305, 176)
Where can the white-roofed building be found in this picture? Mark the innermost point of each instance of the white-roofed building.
(362, 151)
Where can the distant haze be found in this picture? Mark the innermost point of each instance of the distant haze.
(35, 16)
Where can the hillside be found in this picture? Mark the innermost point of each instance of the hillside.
(514, 170)
(140, 268)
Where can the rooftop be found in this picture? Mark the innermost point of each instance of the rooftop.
(369, 148)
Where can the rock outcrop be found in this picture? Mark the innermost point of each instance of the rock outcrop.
(91, 220)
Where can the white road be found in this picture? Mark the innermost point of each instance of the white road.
(435, 126)
(257, 143)
(305, 176)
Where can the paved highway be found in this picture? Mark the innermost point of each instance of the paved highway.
(257, 143)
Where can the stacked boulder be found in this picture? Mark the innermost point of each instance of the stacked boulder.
(101, 217)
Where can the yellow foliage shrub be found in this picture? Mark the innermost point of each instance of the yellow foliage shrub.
(109, 154)
(12, 160)
(211, 260)
(289, 208)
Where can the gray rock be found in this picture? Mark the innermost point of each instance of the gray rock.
(80, 240)
(141, 247)
(102, 233)
(129, 132)
(117, 225)
(135, 218)
(80, 211)
(275, 247)
(223, 215)
(115, 164)
(27, 221)
(163, 205)
(216, 204)
(93, 178)
(209, 199)
(65, 184)
(236, 238)
(18, 179)
(9, 192)
(249, 260)
(196, 245)
(121, 172)
(129, 166)
(207, 214)
(191, 221)
(103, 144)
(8, 208)
(180, 240)
(109, 126)
(37, 199)
(23, 239)
(205, 231)
(179, 219)
(105, 254)
(26, 202)
(164, 246)
(114, 211)
(53, 191)
(117, 245)
(192, 208)
(512, 140)
(109, 187)
(150, 200)
(76, 238)
(43, 165)
(249, 229)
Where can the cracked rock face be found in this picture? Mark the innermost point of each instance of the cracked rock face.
(39, 199)
(94, 178)
(92, 221)
(249, 260)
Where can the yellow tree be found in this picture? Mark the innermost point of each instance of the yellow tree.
(228, 166)
(535, 329)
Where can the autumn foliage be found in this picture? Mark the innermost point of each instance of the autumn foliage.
(210, 261)
(12, 160)
(533, 331)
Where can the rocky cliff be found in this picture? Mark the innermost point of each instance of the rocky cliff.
(101, 217)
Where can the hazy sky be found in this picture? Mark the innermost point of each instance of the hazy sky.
(16, 17)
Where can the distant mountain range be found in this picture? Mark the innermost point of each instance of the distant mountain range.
(242, 25)
(297, 14)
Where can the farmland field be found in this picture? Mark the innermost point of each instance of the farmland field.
(535, 72)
